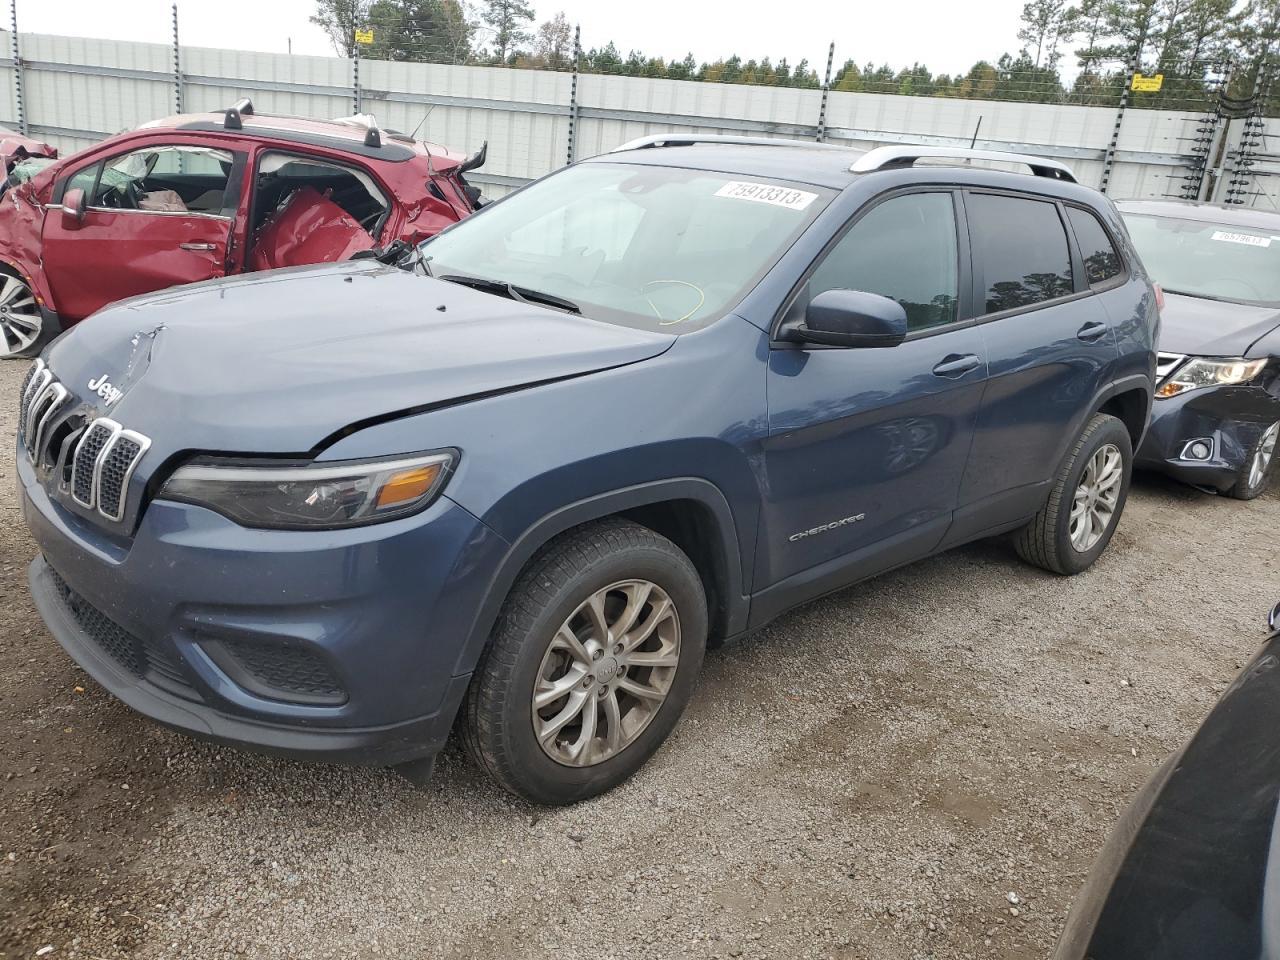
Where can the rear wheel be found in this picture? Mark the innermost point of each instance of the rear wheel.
(592, 661)
(1255, 475)
(22, 325)
(1075, 525)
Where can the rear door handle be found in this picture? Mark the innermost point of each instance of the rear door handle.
(957, 365)
(197, 246)
(1091, 331)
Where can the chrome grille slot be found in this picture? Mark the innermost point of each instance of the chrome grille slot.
(40, 379)
(26, 382)
(84, 466)
(43, 409)
(105, 459)
(117, 466)
(1166, 363)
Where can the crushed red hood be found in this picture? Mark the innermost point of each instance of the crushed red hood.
(15, 147)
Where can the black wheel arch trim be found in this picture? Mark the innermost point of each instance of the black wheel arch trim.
(727, 544)
(1134, 383)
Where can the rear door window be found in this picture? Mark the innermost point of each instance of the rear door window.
(1020, 250)
(1101, 260)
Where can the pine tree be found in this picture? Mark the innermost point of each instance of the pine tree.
(554, 42)
(509, 21)
(1045, 25)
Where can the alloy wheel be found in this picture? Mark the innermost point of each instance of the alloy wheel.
(20, 318)
(1094, 505)
(606, 673)
(1262, 456)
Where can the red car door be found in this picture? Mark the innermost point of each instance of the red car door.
(155, 216)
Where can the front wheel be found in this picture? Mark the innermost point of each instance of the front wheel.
(23, 330)
(592, 661)
(1256, 472)
(1075, 525)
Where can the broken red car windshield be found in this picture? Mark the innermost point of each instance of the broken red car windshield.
(661, 248)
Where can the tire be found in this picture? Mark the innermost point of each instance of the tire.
(24, 329)
(1255, 474)
(1047, 541)
(532, 652)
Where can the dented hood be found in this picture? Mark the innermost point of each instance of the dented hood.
(15, 147)
(281, 362)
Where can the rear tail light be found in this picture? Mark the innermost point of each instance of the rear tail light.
(1159, 296)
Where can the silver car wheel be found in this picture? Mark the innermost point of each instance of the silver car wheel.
(1262, 456)
(1096, 497)
(606, 673)
(20, 317)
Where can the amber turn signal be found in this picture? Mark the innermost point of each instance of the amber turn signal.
(407, 485)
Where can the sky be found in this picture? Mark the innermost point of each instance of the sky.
(954, 38)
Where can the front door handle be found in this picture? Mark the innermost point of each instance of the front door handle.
(957, 365)
(1091, 331)
(197, 246)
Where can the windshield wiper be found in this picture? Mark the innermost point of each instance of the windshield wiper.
(513, 292)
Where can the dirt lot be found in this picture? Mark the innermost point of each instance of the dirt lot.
(869, 778)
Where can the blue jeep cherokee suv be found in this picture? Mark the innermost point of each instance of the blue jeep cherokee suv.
(524, 478)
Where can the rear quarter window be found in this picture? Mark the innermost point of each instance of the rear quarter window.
(1102, 261)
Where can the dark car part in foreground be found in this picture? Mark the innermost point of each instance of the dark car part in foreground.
(200, 196)
(650, 402)
(1190, 870)
(1216, 418)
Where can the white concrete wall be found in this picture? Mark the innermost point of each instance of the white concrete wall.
(524, 115)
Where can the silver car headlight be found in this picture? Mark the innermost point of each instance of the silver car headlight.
(312, 496)
(1199, 372)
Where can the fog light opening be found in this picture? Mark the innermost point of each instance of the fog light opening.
(1198, 449)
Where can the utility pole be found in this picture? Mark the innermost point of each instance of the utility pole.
(177, 65)
(573, 90)
(826, 92)
(16, 54)
(355, 58)
(1109, 159)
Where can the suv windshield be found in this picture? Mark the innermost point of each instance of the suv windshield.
(654, 247)
(1214, 260)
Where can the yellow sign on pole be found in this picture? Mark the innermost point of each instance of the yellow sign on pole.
(366, 36)
(1143, 84)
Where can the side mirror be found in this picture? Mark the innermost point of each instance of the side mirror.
(74, 204)
(852, 318)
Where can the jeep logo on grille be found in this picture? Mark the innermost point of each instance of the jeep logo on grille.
(103, 388)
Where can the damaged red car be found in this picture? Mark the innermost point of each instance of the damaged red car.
(199, 196)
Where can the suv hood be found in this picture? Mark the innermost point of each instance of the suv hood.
(281, 362)
(1212, 328)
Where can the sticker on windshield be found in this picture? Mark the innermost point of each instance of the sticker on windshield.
(1247, 238)
(766, 193)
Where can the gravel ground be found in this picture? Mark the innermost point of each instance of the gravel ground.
(871, 777)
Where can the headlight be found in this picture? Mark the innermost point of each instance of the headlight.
(312, 496)
(1209, 373)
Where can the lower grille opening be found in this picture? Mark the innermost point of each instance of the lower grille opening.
(277, 671)
(142, 658)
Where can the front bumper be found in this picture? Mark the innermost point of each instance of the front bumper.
(1230, 418)
(329, 645)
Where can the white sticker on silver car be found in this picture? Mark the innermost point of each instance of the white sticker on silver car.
(767, 193)
(1247, 238)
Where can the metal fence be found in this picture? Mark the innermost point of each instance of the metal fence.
(73, 92)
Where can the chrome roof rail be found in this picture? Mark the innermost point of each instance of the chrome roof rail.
(689, 139)
(889, 158)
